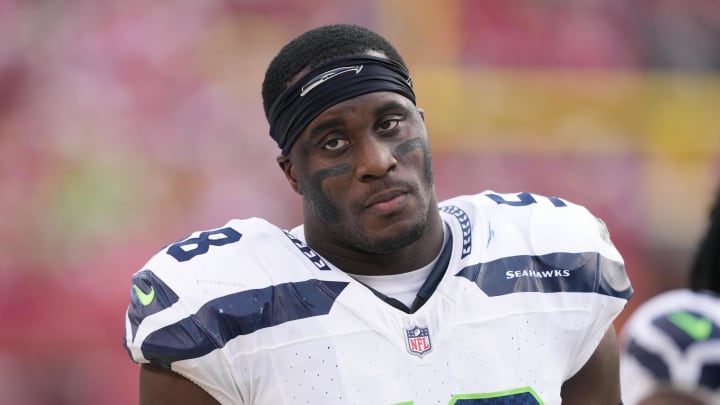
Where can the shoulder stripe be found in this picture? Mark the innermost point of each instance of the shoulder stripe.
(555, 272)
(710, 376)
(709, 373)
(242, 313)
(148, 295)
(652, 362)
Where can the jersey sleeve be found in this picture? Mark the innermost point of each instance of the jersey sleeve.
(160, 329)
(601, 273)
(173, 317)
(165, 322)
(166, 328)
(537, 243)
(548, 245)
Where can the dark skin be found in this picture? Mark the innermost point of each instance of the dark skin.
(364, 172)
(363, 169)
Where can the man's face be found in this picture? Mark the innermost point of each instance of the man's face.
(363, 168)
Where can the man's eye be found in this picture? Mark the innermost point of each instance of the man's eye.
(389, 125)
(335, 144)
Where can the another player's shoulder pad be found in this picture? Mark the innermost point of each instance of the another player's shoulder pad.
(675, 336)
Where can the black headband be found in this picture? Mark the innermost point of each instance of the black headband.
(329, 84)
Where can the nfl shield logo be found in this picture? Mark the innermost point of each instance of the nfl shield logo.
(418, 340)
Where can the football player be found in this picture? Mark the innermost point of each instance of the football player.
(671, 343)
(382, 295)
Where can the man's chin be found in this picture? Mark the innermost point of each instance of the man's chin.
(394, 241)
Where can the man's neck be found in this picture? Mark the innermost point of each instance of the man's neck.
(412, 257)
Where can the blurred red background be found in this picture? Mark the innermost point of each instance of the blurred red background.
(124, 125)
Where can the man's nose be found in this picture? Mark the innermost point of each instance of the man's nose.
(375, 157)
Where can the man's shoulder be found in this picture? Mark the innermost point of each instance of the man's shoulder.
(241, 254)
(526, 212)
(489, 199)
(226, 242)
(515, 238)
(192, 287)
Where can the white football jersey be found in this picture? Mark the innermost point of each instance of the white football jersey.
(526, 288)
(673, 340)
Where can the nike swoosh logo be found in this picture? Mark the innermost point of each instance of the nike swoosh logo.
(145, 298)
(696, 327)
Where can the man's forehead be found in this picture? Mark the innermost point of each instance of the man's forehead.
(376, 101)
(366, 105)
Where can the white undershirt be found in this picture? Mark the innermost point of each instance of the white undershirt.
(404, 286)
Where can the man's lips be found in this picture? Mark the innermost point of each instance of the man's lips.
(386, 199)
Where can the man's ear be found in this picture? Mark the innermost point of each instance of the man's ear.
(422, 113)
(287, 167)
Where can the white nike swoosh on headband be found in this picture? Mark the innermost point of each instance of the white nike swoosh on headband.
(323, 77)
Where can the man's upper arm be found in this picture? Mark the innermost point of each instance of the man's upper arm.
(160, 386)
(598, 381)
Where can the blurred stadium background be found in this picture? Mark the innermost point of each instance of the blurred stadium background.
(126, 124)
